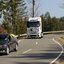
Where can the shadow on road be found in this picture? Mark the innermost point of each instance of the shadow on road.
(36, 57)
(32, 38)
(2, 54)
(46, 55)
(31, 63)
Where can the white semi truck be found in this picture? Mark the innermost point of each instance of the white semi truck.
(34, 28)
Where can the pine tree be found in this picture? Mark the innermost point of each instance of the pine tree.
(61, 23)
(11, 9)
(15, 7)
(55, 24)
(50, 24)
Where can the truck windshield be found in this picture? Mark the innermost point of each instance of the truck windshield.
(33, 24)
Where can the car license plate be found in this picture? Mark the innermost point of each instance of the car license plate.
(0, 45)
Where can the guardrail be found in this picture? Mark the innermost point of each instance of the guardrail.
(21, 35)
(43, 33)
(53, 32)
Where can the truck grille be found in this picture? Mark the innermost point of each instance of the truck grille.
(33, 32)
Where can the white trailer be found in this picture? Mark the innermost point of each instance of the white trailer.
(34, 28)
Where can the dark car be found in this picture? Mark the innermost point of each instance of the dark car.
(8, 42)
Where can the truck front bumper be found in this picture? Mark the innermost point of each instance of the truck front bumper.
(32, 36)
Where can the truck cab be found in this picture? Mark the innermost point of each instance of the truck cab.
(34, 27)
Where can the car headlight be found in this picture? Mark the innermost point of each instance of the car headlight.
(4, 45)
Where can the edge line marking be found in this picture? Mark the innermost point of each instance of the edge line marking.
(60, 53)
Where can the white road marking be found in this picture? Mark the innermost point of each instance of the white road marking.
(59, 54)
(36, 42)
(26, 51)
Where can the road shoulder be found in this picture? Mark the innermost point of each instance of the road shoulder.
(61, 59)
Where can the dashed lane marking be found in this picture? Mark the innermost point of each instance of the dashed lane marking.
(36, 42)
(26, 51)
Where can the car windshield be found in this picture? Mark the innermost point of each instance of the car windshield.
(3, 37)
(33, 24)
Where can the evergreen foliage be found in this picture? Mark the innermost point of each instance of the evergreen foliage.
(51, 24)
(14, 12)
(14, 18)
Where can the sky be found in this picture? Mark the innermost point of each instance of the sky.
(51, 6)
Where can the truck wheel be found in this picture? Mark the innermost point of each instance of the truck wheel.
(41, 35)
(27, 37)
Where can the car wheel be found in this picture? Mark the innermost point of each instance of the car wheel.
(7, 50)
(16, 48)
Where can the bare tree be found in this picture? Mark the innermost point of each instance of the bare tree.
(62, 5)
(33, 8)
(30, 7)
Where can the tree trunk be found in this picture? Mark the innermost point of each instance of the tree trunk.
(33, 8)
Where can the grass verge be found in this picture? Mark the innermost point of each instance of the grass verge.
(19, 38)
(61, 40)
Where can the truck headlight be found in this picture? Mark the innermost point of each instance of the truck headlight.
(38, 33)
(28, 33)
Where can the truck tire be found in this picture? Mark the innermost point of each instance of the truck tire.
(41, 35)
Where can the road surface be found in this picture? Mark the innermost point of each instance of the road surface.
(34, 51)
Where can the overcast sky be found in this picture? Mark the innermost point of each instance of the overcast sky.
(50, 6)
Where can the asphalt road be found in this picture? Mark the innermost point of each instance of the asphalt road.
(34, 51)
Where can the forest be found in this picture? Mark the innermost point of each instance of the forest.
(52, 24)
(15, 18)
